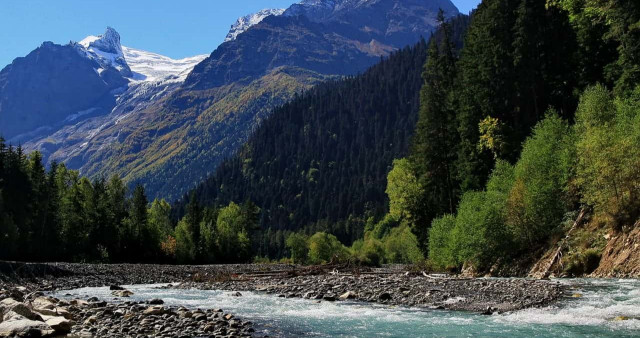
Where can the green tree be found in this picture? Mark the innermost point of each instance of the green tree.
(538, 200)
(298, 245)
(8, 234)
(326, 248)
(185, 245)
(434, 144)
(160, 218)
(232, 235)
(441, 251)
(405, 194)
(608, 150)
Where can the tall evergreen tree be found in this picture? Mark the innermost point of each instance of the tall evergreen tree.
(517, 61)
(434, 144)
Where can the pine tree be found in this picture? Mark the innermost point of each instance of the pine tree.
(435, 141)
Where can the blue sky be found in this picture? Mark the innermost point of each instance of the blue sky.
(176, 28)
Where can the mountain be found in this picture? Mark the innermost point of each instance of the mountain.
(322, 159)
(159, 123)
(243, 23)
(180, 140)
(80, 89)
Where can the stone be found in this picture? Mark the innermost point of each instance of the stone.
(60, 325)
(22, 310)
(154, 310)
(90, 320)
(56, 311)
(347, 295)
(22, 327)
(116, 288)
(236, 294)
(122, 293)
(228, 317)
(156, 301)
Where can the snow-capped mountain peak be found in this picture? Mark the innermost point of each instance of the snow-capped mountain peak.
(245, 22)
(108, 42)
(106, 50)
(134, 64)
(148, 66)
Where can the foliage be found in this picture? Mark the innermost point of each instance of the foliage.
(325, 248)
(435, 142)
(403, 190)
(608, 150)
(369, 251)
(441, 251)
(298, 245)
(538, 200)
(401, 246)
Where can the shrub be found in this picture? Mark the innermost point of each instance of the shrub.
(537, 201)
(440, 244)
(325, 248)
(608, 149)
(298, 245)
(368, 251)
(480, 236)
(401, 246)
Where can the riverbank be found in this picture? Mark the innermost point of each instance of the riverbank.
(391, 285)
(397, 288)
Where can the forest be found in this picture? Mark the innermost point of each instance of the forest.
(523, 115)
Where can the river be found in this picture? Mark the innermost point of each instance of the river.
(592, 308)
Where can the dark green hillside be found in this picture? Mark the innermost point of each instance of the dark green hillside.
(324, 157)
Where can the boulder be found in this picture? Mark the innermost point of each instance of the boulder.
(20, 309)
(156, 301)
(60, 325)
(236, 294)
(44, 302)
(56, 311)
(20, 326)
(347, 295)
(116, 288)
(154, 310)
(91, 320)
(122, 293)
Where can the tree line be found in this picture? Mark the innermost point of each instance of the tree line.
(55, 214)
(537, 117)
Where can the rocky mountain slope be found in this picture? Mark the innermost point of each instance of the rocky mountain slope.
(179, 141)
(91, 85)
(170, 134)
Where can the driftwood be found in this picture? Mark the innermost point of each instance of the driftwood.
(558, 254)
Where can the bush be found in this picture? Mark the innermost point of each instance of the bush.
(480, 236)
(298, 245)
(441, 251)
(326, 248)
(369, 251)
(582, 263)
(537, 199)
(401, 246)
(608, 149)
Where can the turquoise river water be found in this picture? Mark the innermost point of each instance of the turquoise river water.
(592, 315)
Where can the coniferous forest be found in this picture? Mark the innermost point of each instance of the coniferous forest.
(477, 149)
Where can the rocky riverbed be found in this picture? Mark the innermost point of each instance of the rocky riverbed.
(33, 314)
(402, 289)
(117, 317)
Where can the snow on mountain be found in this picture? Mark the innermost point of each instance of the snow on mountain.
(106, 50)
(245, 22)
(147, 66)
(134, 64)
